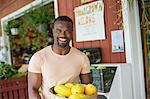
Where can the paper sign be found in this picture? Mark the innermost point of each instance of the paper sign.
(117, 41)
(89, 20)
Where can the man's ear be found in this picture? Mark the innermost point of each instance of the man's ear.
(53, 30)
(72, 36)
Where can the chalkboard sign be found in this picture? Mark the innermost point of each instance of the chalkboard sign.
(94, 54)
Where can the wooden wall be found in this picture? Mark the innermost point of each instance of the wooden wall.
(9, 6)
(66, 7)
(112, 7)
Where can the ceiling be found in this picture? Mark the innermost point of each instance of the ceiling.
(5, 3)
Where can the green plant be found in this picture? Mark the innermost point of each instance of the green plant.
(145, 16)
(32, 19)
(7, 71)
(39, 42)
(40, 15)
(29, 38)
(144, 13)
(12, 24)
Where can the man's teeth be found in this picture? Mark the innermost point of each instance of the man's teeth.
(62, 39)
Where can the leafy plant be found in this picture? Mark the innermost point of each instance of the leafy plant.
(12, 24)
(7, 71)
(145, 16)
(29, 38)
(32, 19)
(40, 15)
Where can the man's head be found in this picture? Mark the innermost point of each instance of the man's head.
(62, 31)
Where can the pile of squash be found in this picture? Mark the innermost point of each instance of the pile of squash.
(75, 91)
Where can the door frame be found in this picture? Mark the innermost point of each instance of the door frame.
(133, 44)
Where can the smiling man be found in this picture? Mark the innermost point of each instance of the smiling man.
(58, 63)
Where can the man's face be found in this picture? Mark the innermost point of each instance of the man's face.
(62, 33)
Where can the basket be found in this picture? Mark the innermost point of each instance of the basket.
(53, 96)
(15, 88)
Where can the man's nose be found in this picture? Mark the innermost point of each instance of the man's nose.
(63, 33)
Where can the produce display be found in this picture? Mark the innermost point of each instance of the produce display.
(75, 91)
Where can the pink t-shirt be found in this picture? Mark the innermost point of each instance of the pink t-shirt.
(58, 69)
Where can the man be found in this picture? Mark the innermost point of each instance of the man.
(58, 63)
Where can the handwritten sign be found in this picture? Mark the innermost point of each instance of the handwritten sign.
(85, 1)
(89, 20)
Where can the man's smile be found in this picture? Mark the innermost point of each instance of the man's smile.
(63, 40)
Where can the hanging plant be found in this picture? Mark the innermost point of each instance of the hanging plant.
(14, 31)
(145, 16)
(30, 38)
(12, 27)
(44, 19)
(40, 15)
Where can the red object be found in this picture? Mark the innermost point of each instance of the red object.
(66, 7)
(15, 88)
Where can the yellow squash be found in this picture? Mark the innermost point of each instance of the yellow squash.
(77, 89)
(77, 96)
(62, 90)
(90, 89)
(69, 85)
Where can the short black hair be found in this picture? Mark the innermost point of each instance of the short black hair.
(64, 18)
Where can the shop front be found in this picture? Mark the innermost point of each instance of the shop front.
(112, 28)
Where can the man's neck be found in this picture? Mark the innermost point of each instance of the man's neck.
(61, 50)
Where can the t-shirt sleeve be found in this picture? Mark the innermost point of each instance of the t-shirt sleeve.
(85, 65)
(35, 64)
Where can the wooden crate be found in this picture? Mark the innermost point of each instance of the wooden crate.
(15, 88)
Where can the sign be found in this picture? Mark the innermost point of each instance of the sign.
(117, 41)
(85, 1)
(89, 20)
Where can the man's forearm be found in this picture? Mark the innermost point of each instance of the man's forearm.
(86, 78)
(34, 94)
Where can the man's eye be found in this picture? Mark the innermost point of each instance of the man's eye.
(68, 32)
(58, 31)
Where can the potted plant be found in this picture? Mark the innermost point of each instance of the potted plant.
(12, 27)
(14, 31)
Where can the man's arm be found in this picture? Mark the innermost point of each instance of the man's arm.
(86, 78)
(34, 83)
